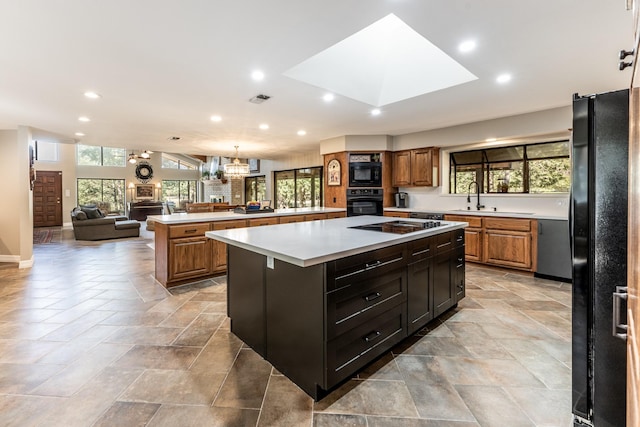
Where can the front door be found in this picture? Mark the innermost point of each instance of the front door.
(47, 199)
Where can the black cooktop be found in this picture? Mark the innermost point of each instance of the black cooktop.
(399, 227)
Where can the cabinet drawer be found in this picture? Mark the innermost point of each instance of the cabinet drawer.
(288, 219)
(345, 271)
(474, 221)
(507, 224)
(332, 215)
(187, 230)
(443, 242)
(315, 217)
(457, 237)
(354, 349)
(421, 249)
(263, 221)
(364, 300)
(227, 225)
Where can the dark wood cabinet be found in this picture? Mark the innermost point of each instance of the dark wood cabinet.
(318, 325)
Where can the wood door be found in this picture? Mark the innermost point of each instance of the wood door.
(219, 256)
(473, 244)
(422, 167)
(508, 248)
(47, 199)
(401, 168)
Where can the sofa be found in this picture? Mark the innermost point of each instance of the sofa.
(90, 223)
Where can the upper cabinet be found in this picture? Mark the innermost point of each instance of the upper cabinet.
(419, 167)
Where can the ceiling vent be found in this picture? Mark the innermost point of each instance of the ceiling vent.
(259, 99)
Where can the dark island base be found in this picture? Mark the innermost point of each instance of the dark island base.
(321, 324)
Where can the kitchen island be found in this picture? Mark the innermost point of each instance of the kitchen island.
(320, 300)
(184, 255)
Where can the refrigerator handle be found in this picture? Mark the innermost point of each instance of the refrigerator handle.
(619, 295)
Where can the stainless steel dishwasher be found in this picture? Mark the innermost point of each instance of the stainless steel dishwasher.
(554, 250)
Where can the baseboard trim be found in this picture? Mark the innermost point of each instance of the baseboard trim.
(26, 263)
(10, 258)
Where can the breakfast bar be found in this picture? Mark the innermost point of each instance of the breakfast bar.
(320, 300)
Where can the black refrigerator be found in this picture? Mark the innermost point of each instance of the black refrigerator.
(598, 227)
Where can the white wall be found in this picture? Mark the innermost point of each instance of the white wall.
(16, 219)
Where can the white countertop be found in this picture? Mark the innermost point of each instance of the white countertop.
(314, 242)
(530, 215)
(185, 218)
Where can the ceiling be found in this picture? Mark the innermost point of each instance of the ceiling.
(163, 68)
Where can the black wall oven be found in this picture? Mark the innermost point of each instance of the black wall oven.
(364, 201)
(365, 170)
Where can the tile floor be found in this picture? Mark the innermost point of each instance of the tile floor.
(88, 338)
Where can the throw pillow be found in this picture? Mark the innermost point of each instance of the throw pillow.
(92, 213)
(81, 215)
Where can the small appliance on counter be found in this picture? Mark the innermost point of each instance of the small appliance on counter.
(402, 200)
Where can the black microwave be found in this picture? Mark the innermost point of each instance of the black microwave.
(365, 174)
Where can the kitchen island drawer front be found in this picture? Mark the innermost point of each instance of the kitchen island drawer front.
(354, 349)
(421, 249)
(444, 242)
(507, 224)
(228, 225)
(474, 221)
(257, 222)
(362, 301)
(355, 268)
(189, 230)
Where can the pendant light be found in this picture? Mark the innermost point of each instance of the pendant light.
(236, 170)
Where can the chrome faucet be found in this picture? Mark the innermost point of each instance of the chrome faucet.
(478, 205)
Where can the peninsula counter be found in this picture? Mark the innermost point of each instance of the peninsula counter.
(320, 300)
(183, 254)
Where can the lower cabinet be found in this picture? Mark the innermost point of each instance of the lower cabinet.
(500, 241)
(319, 325)
(219, 258)
(189, 257)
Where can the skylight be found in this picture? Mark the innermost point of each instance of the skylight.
(383, 63)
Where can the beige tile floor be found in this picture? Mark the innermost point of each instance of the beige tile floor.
(88, 338)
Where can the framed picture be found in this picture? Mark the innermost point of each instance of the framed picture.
(254, 165)
(333, 172)
(144, 191)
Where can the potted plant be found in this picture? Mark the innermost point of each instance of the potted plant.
(205, 175)
(220, 175)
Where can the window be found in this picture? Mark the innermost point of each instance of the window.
(255, 188)
(179, 192)
(299, 188)
(175, 162)
(534, 168)
(46, 151)
(89, 155)
(106, 194)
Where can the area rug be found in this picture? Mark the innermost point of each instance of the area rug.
(45, 235)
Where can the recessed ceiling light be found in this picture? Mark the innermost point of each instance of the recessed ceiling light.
(264, 126)
(92, 95)
(84, 119)
(257, 75)
(302, 132)
(328, 97)
(503, 78)
(216, 118)
(375, 112)
(467, 46)
(79, 134)
(491, 139)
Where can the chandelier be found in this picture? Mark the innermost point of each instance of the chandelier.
(145, 155)
(236, 170)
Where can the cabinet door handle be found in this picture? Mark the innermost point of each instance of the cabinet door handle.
(443, 245)
(372, 296)
(372, 336)
(190, 230)
(620, 294)
(372, 265)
